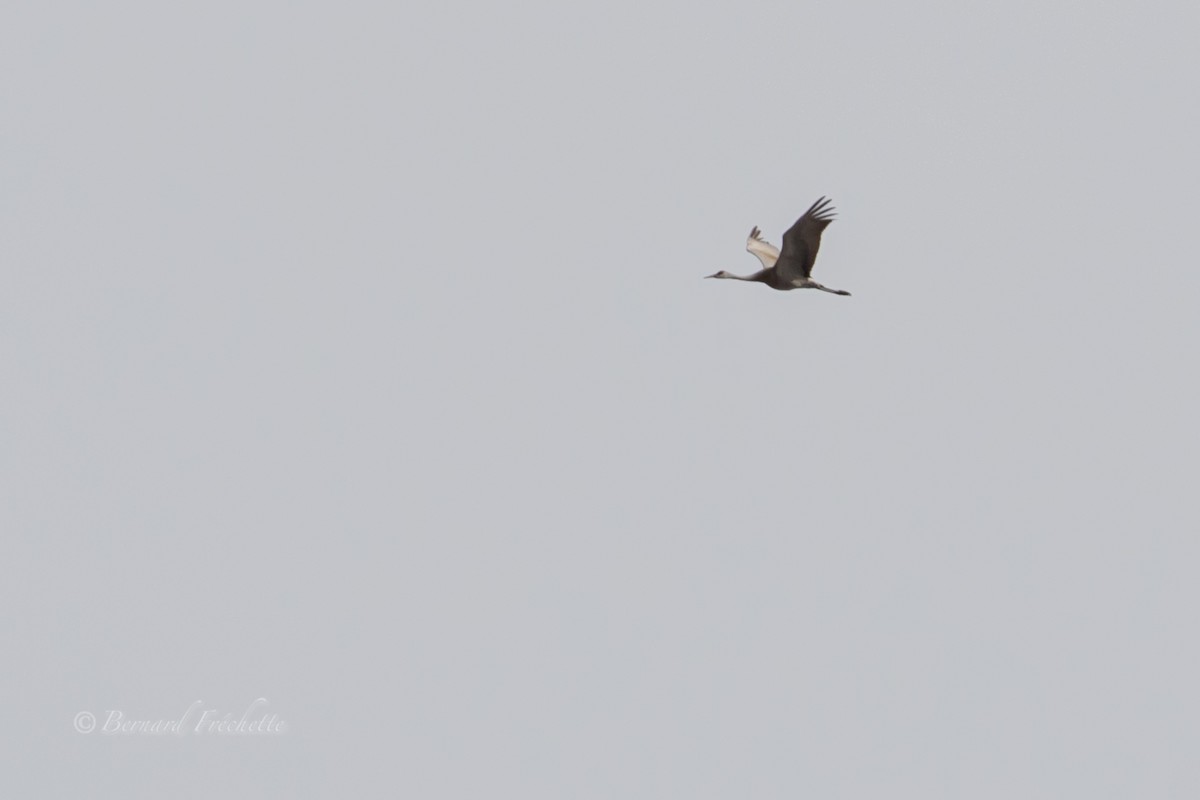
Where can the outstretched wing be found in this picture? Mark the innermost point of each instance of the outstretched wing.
(802, 241)
(766, 252)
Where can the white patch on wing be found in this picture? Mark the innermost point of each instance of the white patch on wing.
(766, 252)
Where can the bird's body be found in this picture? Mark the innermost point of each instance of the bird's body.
(790, 268)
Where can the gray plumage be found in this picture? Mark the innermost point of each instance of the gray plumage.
(792, 267)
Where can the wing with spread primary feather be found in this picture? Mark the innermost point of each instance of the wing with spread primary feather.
(802, 241)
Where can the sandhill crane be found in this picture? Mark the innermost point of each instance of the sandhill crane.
(792, 268)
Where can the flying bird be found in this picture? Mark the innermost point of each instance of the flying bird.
(791, 268)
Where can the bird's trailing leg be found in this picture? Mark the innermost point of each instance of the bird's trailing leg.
(811, 284)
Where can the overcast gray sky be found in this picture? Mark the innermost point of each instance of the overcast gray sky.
(357, 358)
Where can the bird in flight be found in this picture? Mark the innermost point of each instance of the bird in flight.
(791, 268)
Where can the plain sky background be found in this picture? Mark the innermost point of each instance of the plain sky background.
(356, 356)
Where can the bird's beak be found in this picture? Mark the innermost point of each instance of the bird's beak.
(715, 274)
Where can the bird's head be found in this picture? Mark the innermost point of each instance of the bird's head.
(721, 274)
